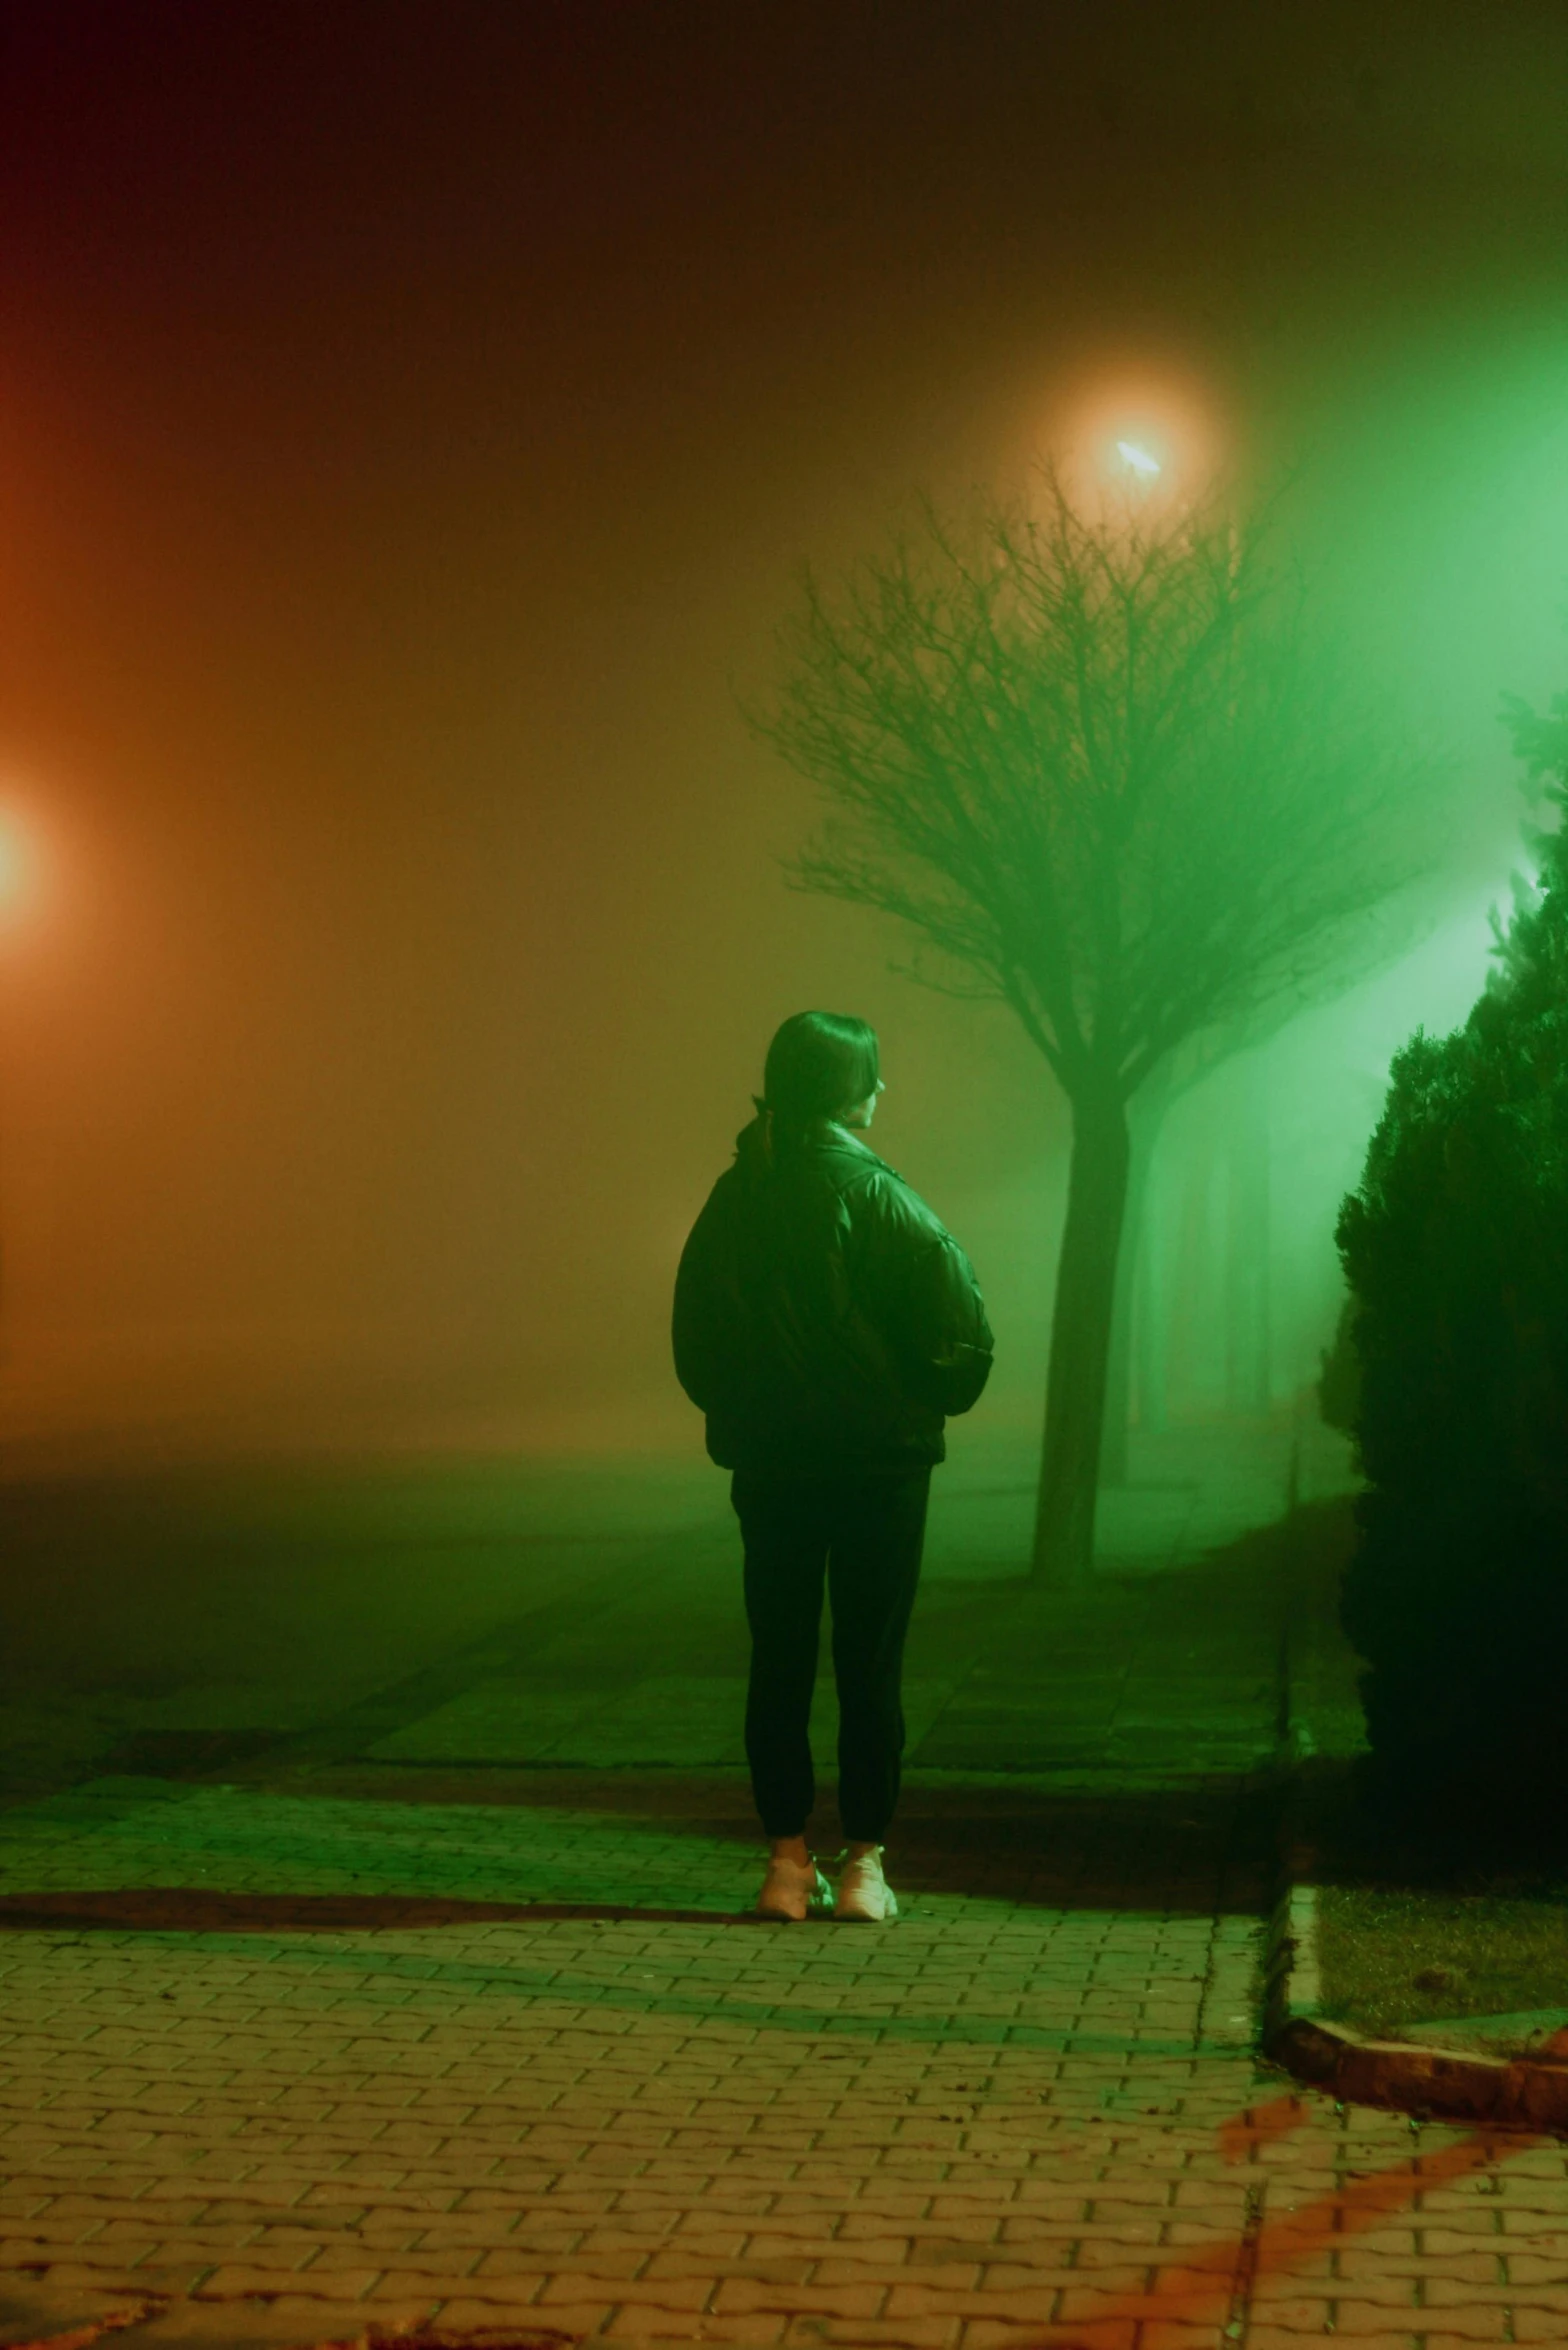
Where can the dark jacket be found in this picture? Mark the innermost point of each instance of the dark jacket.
(824, 1320)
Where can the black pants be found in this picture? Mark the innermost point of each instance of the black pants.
(863, 1536)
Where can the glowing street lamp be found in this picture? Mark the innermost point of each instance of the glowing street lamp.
(19, 875)
(18, 893)
(1138, 460)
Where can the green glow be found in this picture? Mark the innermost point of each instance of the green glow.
(1138, 459)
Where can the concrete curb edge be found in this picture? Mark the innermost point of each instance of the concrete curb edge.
(1452, 2084)
(1449, 2084)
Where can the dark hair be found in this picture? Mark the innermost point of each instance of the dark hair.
(818, 1064)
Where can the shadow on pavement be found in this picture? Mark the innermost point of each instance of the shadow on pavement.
(181, 1909)
(578, 1852)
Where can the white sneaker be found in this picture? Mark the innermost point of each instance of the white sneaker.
(792, 1892)
(865, 1898)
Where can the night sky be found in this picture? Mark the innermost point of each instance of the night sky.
(414, 420)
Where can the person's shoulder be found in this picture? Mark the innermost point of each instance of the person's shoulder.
(891, 1199)
(750, 1165)
(851, 1164)
(734, 1183)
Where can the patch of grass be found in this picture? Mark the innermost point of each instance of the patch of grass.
(1394, 1958)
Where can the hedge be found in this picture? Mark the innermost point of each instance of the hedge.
(1455, 1246)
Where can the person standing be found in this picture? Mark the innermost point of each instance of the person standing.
(826, 1324)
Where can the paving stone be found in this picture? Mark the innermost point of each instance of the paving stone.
(367, 2041)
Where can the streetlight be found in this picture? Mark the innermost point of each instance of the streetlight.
(17, 866)
(18, 898)
(24, 866)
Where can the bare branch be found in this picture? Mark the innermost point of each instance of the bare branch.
(1104, 771)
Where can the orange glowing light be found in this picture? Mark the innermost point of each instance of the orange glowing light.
(21, 867)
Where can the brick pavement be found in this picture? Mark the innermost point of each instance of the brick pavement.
(409, 2022)
(288, 2064)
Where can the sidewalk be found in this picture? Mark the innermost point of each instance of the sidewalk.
(585, 1616)
(343, 2039)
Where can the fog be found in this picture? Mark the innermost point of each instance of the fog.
(413, 425)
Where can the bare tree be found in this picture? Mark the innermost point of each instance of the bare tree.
(1108, 773)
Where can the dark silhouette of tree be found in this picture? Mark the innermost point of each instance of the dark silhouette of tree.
(1108, 774)
(1455, 1245)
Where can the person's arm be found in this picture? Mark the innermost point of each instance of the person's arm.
(702, 1321)
(921, 1290)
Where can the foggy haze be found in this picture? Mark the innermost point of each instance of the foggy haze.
(413, 423)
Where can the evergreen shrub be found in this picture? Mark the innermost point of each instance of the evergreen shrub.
(1456, 1249)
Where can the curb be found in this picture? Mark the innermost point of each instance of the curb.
(1521, 2092)
(1518, 2092)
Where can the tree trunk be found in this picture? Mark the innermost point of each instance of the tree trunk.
(1081, 1338)
(1151, 1329)
(1247, 1354)
(1143, 1124)
(1114, 1447)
